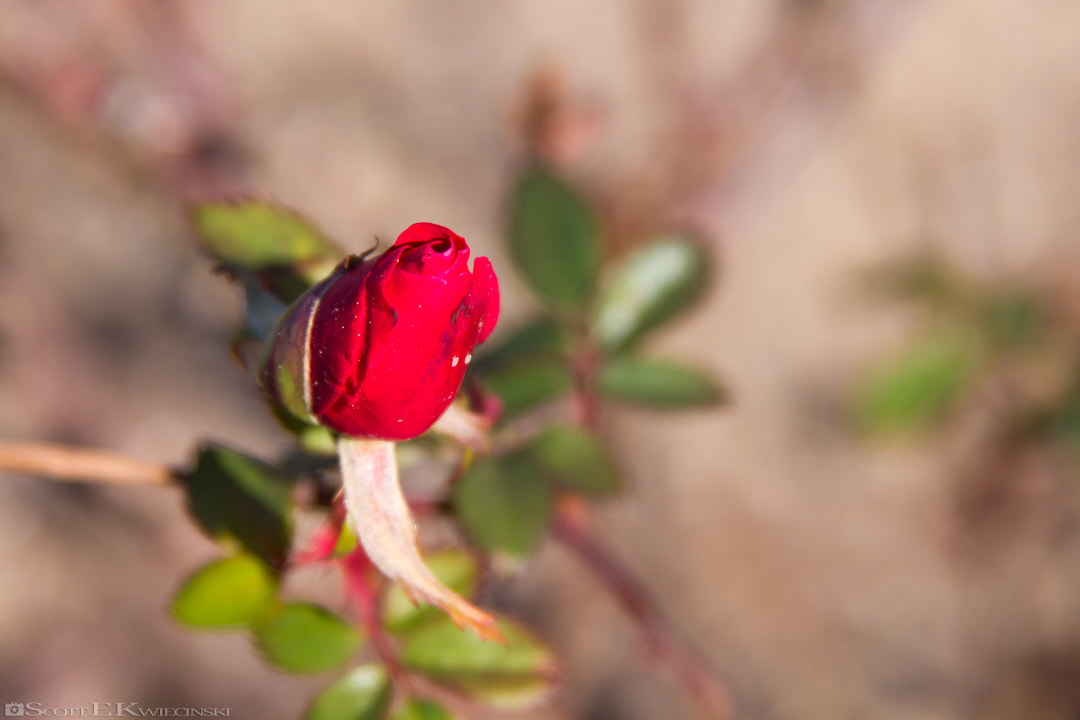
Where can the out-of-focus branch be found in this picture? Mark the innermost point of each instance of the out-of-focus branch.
(703, 683)
(61, 462)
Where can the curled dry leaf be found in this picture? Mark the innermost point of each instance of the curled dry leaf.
(381, 517)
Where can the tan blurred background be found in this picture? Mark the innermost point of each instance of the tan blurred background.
(823, 577)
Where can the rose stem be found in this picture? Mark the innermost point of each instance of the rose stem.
(703, 683)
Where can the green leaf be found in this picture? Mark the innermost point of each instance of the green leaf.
(229, 593)
(256, 235)
(422, 710)
(576, 459)
(504, 504)
(659, 384)
(362, 694)
(652, 285)
(235, 497)
(541, 339)
(304, 638)
(511, 676)
(554, 239)
(528, 385)
(918, 388)
(456, 569)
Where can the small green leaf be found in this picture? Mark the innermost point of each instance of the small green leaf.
(528, 385)
(305, 638)
(554, 239)
(659, 384)
(576, 459)
(504, 504)
(918, 388)
(542, 339)
(511, 676)
(654, 284)
(422, 710)
(233, 496)
(456, 569)
(229, 593)
(362, 694)
(255, 235)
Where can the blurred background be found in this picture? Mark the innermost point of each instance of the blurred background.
(822, 574)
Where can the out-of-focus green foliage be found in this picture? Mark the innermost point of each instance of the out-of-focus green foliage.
(505, 503)
(526, 385)
(576, 460)
(921, 385)
(238, 498)
(659, 384)
(924, 279)
(229, 593)
(363, 693)
(654, 284)
(515, 675)
(1014, 320)
(973, 331)
(544, 338)
(421, 710)
(554, 240)
(302, 637)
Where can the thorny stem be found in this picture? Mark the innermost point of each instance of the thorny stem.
(61, 462)
(665, 646)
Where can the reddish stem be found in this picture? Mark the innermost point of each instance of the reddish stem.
(585, 366)
(357, 569)
(664, 645)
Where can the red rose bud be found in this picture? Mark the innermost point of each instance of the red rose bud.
(380, 347)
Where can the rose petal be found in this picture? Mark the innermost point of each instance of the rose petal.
(485, 290)
(338, 336)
